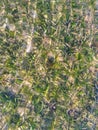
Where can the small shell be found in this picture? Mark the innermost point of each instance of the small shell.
(51, 58)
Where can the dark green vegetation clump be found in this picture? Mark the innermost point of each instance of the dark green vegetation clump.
(46, 65)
